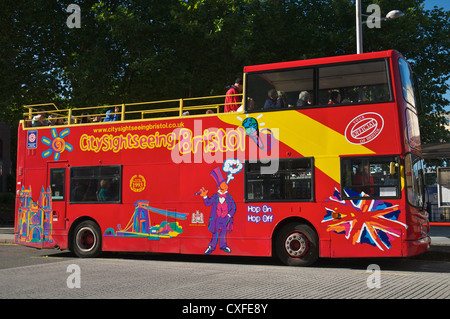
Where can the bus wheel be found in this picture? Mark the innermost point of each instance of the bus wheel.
(87, 239)
(297, 245)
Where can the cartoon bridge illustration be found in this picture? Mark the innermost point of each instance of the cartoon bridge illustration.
(140, 224)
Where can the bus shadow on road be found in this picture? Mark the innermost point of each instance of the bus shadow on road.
(436, 259)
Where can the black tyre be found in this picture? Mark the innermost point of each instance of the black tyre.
(87, 239)
(297, 245)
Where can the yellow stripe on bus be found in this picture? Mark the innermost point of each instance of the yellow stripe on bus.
(306, 136)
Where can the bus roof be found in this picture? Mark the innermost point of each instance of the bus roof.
(320, 61)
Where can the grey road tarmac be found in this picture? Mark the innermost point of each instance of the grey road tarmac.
(30, 273)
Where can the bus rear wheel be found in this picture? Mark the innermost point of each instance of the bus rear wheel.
(87, 239)
(297, 245)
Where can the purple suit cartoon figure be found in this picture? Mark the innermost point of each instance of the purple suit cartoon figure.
(223, 208)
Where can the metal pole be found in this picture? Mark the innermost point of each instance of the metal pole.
(359, 45)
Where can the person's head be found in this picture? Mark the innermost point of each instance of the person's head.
(273, 94)
(304, 96)
(335, 97)
(40, 116)
(51, 119)
(85, 118)
(239, 84)
(104, 183)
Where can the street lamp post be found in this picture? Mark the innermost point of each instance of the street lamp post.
(359, 45)
(393, 14)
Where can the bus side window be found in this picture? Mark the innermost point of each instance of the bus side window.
(293, 181)
(95, 184)
(351, 83)
(370, 177)
(288, 84)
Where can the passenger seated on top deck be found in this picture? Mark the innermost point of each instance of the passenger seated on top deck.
(112, 117)
(304, 99)
(273, 101)
(96, 119)
(232, 103)
(282, 96)
(85, 118)
(39, 119)
(335, 98)
(51, 120)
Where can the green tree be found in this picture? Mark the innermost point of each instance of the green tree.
(140, 50)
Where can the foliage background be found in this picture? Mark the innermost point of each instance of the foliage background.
(143, 50)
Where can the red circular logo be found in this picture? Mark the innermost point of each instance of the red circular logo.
(32, 137)
(364, 128)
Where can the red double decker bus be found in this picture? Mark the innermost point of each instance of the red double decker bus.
(323, 159)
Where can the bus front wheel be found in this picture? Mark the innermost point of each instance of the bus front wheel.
(297, 245)
(87, 239)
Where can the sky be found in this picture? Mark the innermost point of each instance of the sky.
(429, 4)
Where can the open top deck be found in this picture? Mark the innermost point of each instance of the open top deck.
(41, 115)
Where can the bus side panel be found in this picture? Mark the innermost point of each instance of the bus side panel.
(60, 238)
(19, 179)
(417, 240)
(373, 228)
(151, 217)
(365, 247)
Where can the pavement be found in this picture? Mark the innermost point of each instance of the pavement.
(7, 235)
(440, 235)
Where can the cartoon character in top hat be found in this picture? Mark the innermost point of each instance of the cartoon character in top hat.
(222, 205)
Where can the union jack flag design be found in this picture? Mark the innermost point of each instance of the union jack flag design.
(363, 221)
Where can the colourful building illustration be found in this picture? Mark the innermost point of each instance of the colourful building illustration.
(35, 219)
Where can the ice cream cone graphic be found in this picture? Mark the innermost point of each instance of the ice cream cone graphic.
(252, 130)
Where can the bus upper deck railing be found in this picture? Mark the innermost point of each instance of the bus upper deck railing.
(49, 114)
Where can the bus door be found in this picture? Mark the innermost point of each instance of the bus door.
(57, 181)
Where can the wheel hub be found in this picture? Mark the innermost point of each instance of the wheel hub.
(296, 245)
(86, 239)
